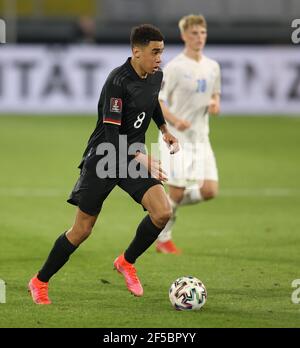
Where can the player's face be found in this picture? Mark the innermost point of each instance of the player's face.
(150, 56)
(195, 37)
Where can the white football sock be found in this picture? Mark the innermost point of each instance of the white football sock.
(192, 195)
(166, 233)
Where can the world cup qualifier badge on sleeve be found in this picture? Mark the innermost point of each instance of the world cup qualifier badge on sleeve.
(116, 105)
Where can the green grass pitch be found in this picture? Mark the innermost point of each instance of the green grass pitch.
(244, 245)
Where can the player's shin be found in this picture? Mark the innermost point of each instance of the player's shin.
(58, 256)
(164, 243)
(166, 233)
(146, 234)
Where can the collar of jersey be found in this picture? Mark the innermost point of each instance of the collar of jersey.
(132, 72)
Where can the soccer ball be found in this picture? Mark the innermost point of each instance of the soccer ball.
(187, 293)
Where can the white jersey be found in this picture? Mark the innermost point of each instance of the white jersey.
(187, 89)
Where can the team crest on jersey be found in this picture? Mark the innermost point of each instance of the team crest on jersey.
(116, 105)
(201, 86)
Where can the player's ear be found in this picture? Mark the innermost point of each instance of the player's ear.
(136, 51)
(182, 36)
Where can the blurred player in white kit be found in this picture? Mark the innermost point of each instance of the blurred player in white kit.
(190, 92)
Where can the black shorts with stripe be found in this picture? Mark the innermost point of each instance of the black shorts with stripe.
(90, 191)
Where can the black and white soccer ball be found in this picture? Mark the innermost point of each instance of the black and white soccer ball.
(187, 293)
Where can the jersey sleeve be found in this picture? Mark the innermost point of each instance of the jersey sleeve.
(158, 116)
(168, 84)
(217, 84)
(113, 103)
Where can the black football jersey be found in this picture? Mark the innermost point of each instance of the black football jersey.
(130, 102)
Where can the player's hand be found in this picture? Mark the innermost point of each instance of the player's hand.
(182, 125)
(153, 166)
(171, 142)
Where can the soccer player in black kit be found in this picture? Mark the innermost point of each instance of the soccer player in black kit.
(128, 102)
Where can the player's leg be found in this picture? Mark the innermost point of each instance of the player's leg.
(204, 191)
(175, 167)
(88, 194)
(66, 244)
(164, 242)
(176, 194)
(156, 202)
(206, 188)
(60, 253)
(150, 193)
(81, 228)
(209, 190)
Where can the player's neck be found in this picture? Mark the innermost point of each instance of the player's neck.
(195, 55)
(142, 74)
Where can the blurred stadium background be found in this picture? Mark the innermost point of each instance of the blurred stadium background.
(244, 245)
(230, 21)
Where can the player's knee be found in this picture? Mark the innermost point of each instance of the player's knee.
(86, 230)
(82, 231)
(162, 217)
(209, 193)
(178, 197)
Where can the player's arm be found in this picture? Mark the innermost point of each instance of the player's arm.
(153, 165)
(169, 139)
(112, 135)
(214, 105)
(112, 116)
(178, 123)
(171, 80)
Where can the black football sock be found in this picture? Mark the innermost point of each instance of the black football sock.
(146, 234)
(58, 256)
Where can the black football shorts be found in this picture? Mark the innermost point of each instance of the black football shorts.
(90, 191)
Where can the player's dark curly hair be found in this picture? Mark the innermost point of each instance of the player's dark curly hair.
(143, 34)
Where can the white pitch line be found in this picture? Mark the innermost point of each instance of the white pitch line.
(225, 192)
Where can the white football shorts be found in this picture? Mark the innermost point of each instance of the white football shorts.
(194, 163)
